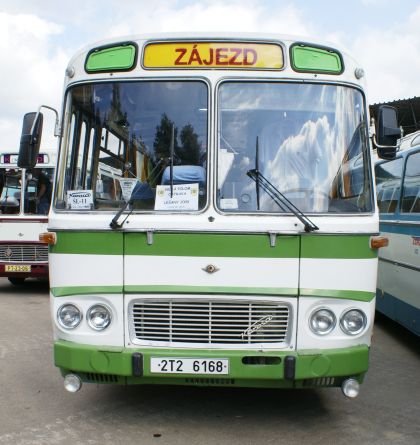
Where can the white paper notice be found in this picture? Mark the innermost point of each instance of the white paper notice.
(79, 199)
(185, 197)
(229, 204)
(127, 185)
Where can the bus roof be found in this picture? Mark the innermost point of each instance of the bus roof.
(80, 67)
(410, 141)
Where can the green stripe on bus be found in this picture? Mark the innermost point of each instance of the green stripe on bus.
(211, 290)
(214, 245)
(273, 291)
(337, 246)
(343, 294)
(85, 290)
(89, 243)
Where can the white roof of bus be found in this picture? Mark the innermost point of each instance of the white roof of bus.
(349, 63)
(253, 36)
(409, 141)
(76, 72)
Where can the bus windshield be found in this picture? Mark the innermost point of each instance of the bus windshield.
(308, 140)
(130, 140)
(36, 196)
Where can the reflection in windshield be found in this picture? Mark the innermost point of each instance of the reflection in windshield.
(308, 140)
(119, 145)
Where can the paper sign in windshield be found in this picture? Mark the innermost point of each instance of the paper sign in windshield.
(184, 197)
(80, 199)
(127, 185)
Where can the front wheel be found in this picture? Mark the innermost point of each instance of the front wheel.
(17, 281)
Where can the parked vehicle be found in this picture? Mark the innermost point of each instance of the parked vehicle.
(213, 220)
(398, 190)
(25, 197)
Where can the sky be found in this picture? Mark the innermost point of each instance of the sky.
(38, 37)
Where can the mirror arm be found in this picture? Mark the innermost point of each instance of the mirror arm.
(383, 146)
(375, 143)
(372, 134)
(57, 127)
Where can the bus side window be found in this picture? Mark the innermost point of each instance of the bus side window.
(411, 188)
(388, 182)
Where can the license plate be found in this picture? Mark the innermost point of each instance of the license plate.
(173, 365)
(17, 268)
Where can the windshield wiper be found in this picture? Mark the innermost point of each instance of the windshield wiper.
(257, 168)
(280, 199)
(171, 159)
(114, 224)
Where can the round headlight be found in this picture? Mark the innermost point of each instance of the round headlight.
(353, 322)
(99, 317)
(69, 316)
(322, 321)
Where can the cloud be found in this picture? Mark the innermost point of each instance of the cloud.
(390, 57)
(376, 3)
(35, 50)
(216, 16)
(32, 71)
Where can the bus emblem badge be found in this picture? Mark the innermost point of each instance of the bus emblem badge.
(8, 253)
(210, 268)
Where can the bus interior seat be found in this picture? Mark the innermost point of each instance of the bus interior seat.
(142, 191)
(186, 174)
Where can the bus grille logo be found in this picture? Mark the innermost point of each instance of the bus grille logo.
(8, 253)
(257, 325)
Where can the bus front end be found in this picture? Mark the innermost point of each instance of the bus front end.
(25, 198)
(213, 226)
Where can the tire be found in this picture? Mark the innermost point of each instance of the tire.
(17, 281)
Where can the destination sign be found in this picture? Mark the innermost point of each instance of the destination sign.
(205, 55)
(13, 158)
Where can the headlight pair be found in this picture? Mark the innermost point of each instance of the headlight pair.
(98, 316)
(323, 321)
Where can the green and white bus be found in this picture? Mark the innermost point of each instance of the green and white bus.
(213, 218)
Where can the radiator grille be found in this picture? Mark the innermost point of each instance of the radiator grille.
(23, 253)
(209, 322)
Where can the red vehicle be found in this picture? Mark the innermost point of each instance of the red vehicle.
(24, 204)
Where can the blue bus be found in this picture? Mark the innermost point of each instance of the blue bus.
(398, 194)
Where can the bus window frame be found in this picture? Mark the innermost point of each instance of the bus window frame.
(413, 151)
(398, 205)
(63, 150)
(370, 179)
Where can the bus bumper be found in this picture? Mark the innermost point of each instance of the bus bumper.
(36, 270)
(295, 369)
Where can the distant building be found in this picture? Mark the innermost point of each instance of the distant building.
(408, 113)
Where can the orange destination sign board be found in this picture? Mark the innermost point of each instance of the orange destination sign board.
(205, 55)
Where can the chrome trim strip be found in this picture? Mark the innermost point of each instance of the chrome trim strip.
(399, 264)
(400, 223)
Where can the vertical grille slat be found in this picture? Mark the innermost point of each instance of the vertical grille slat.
(213, 322)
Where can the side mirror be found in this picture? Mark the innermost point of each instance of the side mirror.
(30, 140)
(387, 132)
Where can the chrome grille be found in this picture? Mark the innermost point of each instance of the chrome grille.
(23, 253)
(209, 322)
